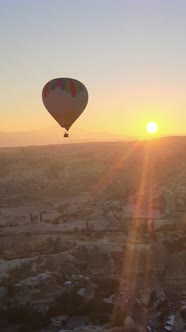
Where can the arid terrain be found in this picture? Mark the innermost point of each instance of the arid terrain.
(94, 233)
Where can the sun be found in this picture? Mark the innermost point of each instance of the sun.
(152, 127)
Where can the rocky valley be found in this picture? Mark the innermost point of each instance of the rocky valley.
(95, 234)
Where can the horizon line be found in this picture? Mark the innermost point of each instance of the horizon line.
(144, 139)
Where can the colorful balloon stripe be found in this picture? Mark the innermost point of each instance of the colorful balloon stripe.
(58, 83)
(63, 84)
(52, 86)
(71, 86)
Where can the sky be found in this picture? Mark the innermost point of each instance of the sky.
(130, 54)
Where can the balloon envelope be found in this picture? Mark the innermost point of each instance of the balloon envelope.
(65, 99)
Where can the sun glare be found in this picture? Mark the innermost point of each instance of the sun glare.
(152, 127)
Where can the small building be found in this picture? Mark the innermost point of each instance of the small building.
(58, 321)
(75, 322)
(41, 306)
(68, 283)
(88, 292)
(174, 323)
(128, 323)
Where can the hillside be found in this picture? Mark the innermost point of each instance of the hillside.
(113, 168)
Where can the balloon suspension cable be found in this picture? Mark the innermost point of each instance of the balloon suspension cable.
(66, 134)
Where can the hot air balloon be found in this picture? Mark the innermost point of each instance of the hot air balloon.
(65, 99)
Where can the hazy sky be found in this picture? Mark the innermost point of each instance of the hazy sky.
(131, 55)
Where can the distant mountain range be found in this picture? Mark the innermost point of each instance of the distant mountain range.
(54, 135)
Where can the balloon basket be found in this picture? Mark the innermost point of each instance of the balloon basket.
(66, 135)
